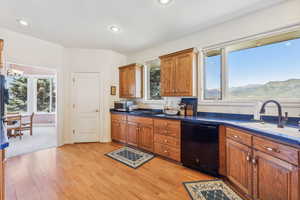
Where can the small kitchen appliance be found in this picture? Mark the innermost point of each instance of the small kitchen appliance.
(122, 105)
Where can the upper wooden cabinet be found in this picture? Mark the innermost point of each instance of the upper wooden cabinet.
(1, 53)
(131, 82)
(179, 73)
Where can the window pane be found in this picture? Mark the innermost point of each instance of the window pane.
(53, 107)
(270, 71)
(17, 88)
(212, 77)
(154, 80)
(43, 95)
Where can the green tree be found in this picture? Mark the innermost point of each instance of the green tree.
(17, 87)
(43, 95)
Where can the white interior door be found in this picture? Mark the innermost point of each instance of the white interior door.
(86, 107)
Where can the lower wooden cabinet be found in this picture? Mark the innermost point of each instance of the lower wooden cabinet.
(274, 178)
(145, 137)
(119, 128)
(167, 135)
(239, 167)
(260, 170)
(159, 136)
(132, 133)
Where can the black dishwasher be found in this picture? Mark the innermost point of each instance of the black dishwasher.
(200, 146)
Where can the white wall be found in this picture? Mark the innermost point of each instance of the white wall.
(282, 15)
(105, 62)
(29, 51)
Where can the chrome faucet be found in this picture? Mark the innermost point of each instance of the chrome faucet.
(281, 120)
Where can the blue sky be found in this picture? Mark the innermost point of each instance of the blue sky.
(275, 62)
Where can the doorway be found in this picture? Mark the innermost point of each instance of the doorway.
(31, 110)
(86, 90)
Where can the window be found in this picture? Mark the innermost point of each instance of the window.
(212, 75)
(45, 95)
(153, 80)
(264, 72)
(17, 89)
(267, 68)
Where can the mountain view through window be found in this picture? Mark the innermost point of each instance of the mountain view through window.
(265, 71)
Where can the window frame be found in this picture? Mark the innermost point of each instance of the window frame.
(34, 85)
(225, 97)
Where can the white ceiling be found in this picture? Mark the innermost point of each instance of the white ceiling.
(144, 23)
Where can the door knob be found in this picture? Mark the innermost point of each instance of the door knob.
(97, 110)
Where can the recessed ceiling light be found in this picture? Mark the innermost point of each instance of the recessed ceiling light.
(22, 22)
(114, 28)
(164, 2)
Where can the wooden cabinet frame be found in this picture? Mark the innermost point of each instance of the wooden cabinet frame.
(131, 81)
(179, 73)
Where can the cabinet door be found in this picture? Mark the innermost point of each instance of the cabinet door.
(238, 165)
(146, 137)
(130, 83)
(123, 90)
(132, 133)
(166, 76)
(183, 78)
(274, 179)
(123, 131)
(115, 130)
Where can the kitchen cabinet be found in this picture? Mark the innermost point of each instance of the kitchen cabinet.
(131, 81)
(119, 128)
(274, 178)
(154, 135)
(260, 168)
(179, 73)
(140, 132)
(132, 134)
(146, 137)
(239, 167)
(167, 134)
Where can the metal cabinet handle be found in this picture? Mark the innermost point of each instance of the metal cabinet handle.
(235, 136)
(248, 157)
(271, 149)
(254, 161)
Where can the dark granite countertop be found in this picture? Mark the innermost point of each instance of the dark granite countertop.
(243, 122)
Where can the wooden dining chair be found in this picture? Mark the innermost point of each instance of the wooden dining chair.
(14, 124)
(27, 122)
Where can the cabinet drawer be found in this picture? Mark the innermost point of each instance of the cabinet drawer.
(281, 151)
(239, 136)
(167, 151)
(141, 120)
(167, 140)
(167, 127)
(118, 117)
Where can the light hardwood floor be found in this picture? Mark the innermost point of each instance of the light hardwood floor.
(83, 172)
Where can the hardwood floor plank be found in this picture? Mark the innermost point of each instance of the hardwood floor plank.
(82, 171)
